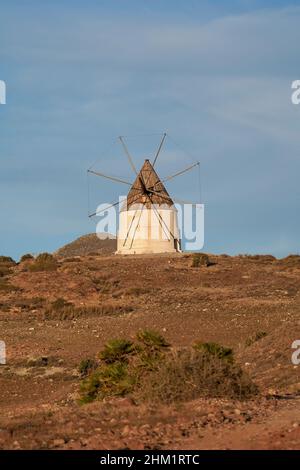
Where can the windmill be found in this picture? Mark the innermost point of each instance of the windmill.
(148, 221)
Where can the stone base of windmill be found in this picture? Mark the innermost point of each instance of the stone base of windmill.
(140, 247)
(145, 231)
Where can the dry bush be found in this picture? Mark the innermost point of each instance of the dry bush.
(200, 259)
(30, 304)
(4, 270)
(43, 262)
(4, 307)
(137, 291)
(26, 257)
(7, 260)
(150, 371)
(255, 337)
(6, 265)
(188, 374)
(291, 260)
(264, 259)
(67, 311)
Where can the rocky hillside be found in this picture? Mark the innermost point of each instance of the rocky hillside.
(88, 244)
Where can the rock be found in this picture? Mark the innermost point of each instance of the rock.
(125, 431)
(16, 445)
(37, 361)
(58, 442)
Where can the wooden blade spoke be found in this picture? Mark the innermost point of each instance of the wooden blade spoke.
(168, 178)
(128, 154)
(159, 149)
(113, 178)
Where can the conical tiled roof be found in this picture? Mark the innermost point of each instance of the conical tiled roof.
(147, 181)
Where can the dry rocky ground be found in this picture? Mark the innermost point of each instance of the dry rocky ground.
(250, 304)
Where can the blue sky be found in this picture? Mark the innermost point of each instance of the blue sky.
(215, 75)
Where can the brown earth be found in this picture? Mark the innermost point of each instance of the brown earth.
(249, 303)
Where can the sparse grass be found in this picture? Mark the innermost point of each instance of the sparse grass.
(71, 312)
(200, 259)
(4, 270)
(6, 287)
(258, 258)
(30, 304)
(105, 285)
(60, 304)
(74, 259)
(291, 260)
(137, 291)
(43, 262)
(255, 337)
(150, 371)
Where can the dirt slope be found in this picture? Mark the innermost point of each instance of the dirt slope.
(248, 303)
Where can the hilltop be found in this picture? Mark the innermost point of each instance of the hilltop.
(89, 244)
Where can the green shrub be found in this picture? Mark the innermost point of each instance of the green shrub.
(86, 366)
(152, 339)
(161, 374)
(117, 350)
(200, 259)
(108, 380)
(43, 262)
(216, 350)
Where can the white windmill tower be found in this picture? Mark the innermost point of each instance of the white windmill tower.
(148, 221)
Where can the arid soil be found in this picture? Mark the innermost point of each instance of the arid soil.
(248, 303)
